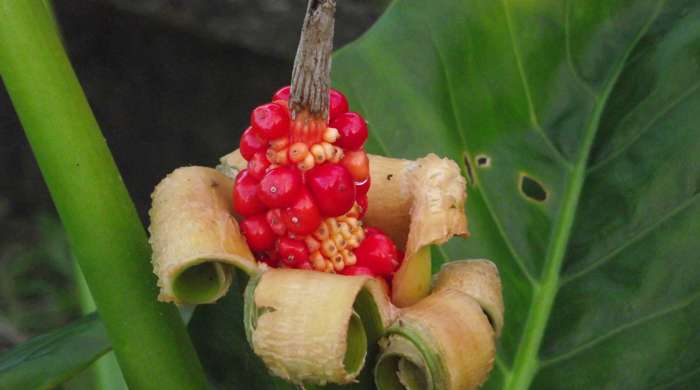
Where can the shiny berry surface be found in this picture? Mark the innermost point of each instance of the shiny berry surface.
(275, 218)
(302, 217)
(378, 253)
(270, 121)
(357, 163)
(305, 191)
(353, 130)
(362, 187)
(338, 104)
(251, 144)
(332, 188)
(258, 165)
(280, 186)
(292, 252)
(282, 93)
(245, 195)
(258, 233)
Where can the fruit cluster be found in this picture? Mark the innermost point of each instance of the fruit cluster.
(304, 192)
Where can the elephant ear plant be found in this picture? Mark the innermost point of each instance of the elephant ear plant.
(314, 223)
(575, 124)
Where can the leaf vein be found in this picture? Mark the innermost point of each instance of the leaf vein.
(516, 257)
(619, 329)
(534, 120)
(661, 114)
(569, 57)
(634, 239)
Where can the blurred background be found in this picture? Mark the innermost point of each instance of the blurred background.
(172, 83)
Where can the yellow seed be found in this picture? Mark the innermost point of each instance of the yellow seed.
(338, 263)
(281, 157)
(352, 222)
(328, 150)
(318, 261)
(354, 211)
(321, 232)
(319, 154)
(298, 151)
(312, 244)
(359, 233)
(337, 156)
(331, 135)
(328, 248)
(308, 162)
(350, 258)
(353, 243)
(333, 225)
(345, 230)
(279, 143)
(340, 242)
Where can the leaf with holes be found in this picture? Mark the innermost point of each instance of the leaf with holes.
(578, 123)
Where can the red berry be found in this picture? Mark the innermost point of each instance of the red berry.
(292, 252)
(270, 121)
(352, 129)
(245, 199)
(357, 163)
(280, 186)
(302, 217)
(362, 202)
(276, 221)
(338, 104)
(357, 270)
(362, 187)
(282, 93)
(251, 144)
(269, 261)
(378, 253)
(332, 188)
(258, 165)
(258, 233)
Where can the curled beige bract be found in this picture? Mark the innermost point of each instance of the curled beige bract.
(316, 328)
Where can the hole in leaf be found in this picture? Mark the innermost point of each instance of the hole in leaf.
(532, 189)
(483, 161)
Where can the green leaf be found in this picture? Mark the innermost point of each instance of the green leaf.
(46, 361)
(576, 123)
(218, 334)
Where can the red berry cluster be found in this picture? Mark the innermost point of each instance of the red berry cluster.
(304, 192)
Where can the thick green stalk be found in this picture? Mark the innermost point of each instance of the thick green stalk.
(105, 370)
(106, 236)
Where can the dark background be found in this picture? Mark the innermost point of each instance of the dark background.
(172, 83)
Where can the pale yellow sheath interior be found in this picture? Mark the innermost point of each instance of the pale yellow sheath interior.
(301, 332)
(452, 325)
(194, 237)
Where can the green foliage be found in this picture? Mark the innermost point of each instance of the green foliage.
(46, 361)
(596, 102)
(576, 124)
(37, 293)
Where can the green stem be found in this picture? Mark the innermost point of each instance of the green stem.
(105, 370)
(106, 236)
